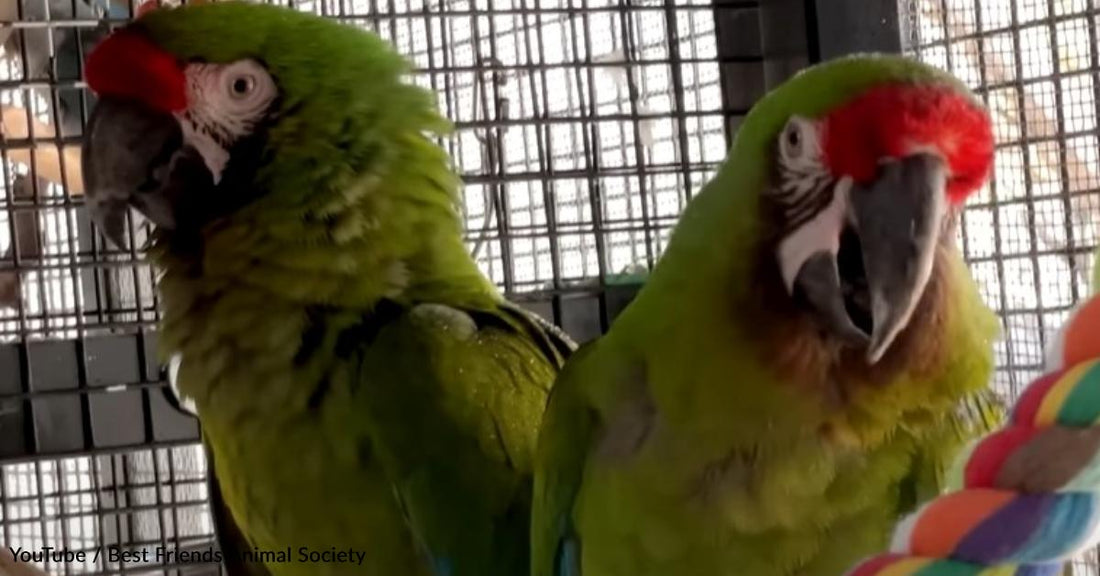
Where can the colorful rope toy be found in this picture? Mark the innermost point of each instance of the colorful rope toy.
(1025, 499)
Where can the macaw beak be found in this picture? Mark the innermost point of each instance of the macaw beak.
(877, 256)
(134, 155)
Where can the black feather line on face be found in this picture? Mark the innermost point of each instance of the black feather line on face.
(237, 188)
(217, 133)
(810, 206)
(786, 213)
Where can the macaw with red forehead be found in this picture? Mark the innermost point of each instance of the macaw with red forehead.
(807, 356)
(364, 389)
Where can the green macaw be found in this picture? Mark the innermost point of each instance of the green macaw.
(804, 360)
(362, 387)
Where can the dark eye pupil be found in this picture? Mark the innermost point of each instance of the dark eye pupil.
(241, 85)
(792, 138)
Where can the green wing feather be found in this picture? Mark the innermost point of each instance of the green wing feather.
(231, 541)
(568, 429)
(453, 399)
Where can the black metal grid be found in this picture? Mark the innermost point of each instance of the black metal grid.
(1029, 234)
(583, 126)
(126, 500)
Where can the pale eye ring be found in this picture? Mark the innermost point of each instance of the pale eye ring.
(795, 143)
(242, 86)
(794, 140)
(242, 89)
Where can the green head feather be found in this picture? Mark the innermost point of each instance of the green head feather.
(344, 93)
(741, 386)
(347, 181)
(725, 212)
(711, 268)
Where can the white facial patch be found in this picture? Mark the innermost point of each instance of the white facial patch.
(800, 146)
(226, 103)
(820, 233)
(213, 154)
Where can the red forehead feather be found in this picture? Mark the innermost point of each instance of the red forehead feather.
(899, 119)
(128, 65)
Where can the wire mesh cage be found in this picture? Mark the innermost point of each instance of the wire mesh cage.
(582, 128)
(1028, 236)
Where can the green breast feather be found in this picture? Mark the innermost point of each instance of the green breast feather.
(414, 447)
(678, 444)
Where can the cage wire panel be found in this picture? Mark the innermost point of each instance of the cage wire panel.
(1029, 234)
(583, 126)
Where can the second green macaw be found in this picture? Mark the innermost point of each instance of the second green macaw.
(370, 400)
(805, 359)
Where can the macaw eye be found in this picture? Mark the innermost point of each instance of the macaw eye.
(247, 87)
(797, 141)
(242, 86)
(794, 139)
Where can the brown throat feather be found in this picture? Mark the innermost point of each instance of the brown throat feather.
(800, 351)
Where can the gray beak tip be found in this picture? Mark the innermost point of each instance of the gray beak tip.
(116, 236)
(110, 217)
(875, 352)
(887, 325)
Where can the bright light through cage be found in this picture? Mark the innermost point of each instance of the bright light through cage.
(573, 130)
(582, 129)
(1029, 235)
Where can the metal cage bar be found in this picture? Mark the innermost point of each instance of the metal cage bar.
(1029, 234)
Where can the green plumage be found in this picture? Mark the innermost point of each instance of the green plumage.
(360, 383)
(676, 445)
